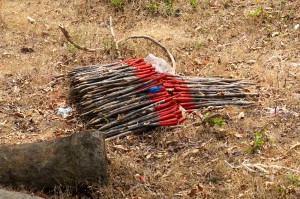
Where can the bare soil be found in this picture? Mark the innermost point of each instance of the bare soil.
(252, 40)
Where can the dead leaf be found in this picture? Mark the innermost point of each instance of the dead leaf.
(26, 50)
(193, 192)
(3, 123)
(229, 150)
(200, 187)
(241, 115)
(195, 151)
(238, 135)
(149, 156)
(251, 61)
(31, 20)
(121, 147)
(21, 115)
(142, 178)
(274, 34)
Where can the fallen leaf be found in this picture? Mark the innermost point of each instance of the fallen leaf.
(231, 148)
(3, 123)
(241, 115)
(195, 151)
(251, 61)
(27, 50)
(6, 53)
(21, 115)
(193, 192)
(274, 34)
(149, 156)
(31, 20)
(238, 135)
(142, 178)
(295, 64)
(200, 187)
(120, 147)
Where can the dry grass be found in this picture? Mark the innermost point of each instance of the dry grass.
(216, 38)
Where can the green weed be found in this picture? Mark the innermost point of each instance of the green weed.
(213, 121)
(292, 182)
(152, 7)
(259, 139)
(293, 179)
(169, 7)
(194, 3)
(117, 2)
(254, 12)
(259, 11)
(280, 188)
(199, 44)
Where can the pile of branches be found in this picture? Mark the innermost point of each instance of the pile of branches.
(131, 96)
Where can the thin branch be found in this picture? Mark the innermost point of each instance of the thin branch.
(114, 37)
(232, 166)
(69, 38)
(294, 146)
(154, 41)
(261, 167)
(228, 44)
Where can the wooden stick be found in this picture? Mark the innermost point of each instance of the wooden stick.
(154, 41)
(114, 37)
(69, 38)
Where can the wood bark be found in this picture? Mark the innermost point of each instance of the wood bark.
(73, 160)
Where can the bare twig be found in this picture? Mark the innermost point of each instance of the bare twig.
(293, 147)
(261, 167)
(124, 196)
(232, 166)
(69, 38)
(228, 44)
(114, 37)
(154, 41)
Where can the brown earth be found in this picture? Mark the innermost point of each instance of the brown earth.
(252, 40)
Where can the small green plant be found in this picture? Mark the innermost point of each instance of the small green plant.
(292, 182)
(259, 11)
(280, 188)
(152, 7)
(293, 179)
(169, 6)
(259, 139)
(199, 44)
(194, 3)
(254, 12)
(213, 121)
(117, 2)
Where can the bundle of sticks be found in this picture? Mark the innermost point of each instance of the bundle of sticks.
(196, 92)
(130, 96)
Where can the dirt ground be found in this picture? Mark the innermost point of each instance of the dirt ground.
(255, 156)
